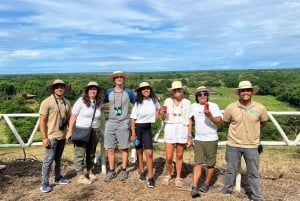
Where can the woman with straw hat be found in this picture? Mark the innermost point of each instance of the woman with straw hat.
(176, 114)
(86, 113)
(144, 112)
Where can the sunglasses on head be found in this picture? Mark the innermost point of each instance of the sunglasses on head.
(202, 94)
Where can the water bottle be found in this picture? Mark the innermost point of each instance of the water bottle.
(133, 155)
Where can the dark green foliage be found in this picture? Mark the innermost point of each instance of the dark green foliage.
(283, 84)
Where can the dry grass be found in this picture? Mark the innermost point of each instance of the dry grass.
(20, 180)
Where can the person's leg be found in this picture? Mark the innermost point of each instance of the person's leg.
(149, 162)
(140, 159)
(47, 163)
(79, 156)
(169, 158)
(233, 159)
(60, 146)
(111, 158)
(196, 174)
(91, 150)
(199, 159)
(124, 158)
(251, 156)
(179, 159)
(211, 148)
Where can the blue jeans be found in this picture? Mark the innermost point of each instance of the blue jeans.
(233, 158)
(52, 154)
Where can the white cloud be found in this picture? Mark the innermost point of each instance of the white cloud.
(183, 34)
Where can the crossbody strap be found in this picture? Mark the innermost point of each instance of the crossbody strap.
(93, 116)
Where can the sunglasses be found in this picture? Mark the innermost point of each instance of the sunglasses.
(245, 90)
(202, 94)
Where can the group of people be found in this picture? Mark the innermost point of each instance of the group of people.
(244, 119)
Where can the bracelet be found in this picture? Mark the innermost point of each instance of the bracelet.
(190, 137)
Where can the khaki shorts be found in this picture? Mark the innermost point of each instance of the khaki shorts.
(205, 152)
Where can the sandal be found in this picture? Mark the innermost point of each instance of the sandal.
(178, 183)
(166, 180)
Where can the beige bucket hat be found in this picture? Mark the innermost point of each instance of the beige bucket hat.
(118, 73)
(176, 85)
(246, 85)
(50, 87)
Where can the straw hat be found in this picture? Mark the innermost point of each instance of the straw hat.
(115, 74)
(202, 88)
(50, 87)
(94, 84)
(245, 85)
(143, 84)
(177, 85)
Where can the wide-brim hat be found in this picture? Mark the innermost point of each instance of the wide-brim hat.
(202, 88)
(176, 85)
(115, 74)
(143, 84)
(50, 87)
(246, 85)
(92, 84)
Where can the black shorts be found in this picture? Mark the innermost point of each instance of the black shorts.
(144, 135)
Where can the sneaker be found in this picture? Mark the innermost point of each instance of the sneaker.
(151, 183)
(142, 176)
(62, 181)
(109, 176)
(225, 192)
(124, 175)
(195, 192)
(204, 188)
(83, 180)
(45, 188)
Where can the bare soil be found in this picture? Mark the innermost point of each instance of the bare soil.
(20, 180)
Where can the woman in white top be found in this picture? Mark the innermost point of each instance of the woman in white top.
(82, 114)
(144, 112)
(178, 127)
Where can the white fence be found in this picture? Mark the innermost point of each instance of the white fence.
(21, 143)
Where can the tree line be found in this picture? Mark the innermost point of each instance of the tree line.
(14, 89)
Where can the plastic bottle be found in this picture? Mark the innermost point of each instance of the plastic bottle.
(133, 155)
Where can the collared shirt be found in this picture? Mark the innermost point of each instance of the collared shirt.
(244, 127)
(50, 108)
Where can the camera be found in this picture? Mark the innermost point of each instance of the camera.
(118, 111)
(62, 124)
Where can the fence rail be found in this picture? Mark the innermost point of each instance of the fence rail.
(21, 143)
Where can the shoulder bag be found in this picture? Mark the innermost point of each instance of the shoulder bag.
(81, 134)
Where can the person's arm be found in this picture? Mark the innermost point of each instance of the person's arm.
(43, 130)
(190, 137)
(71, 126)
(132, 127)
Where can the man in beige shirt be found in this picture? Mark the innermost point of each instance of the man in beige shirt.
(54, 114)
(244, 119)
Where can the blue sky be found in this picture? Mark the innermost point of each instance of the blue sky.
(49, 36)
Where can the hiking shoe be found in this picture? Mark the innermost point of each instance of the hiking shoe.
(142, 176)
(45, 188)
(204, 188)
(83, 180)
(151, 183)
(124, 175)
(225, 192)
(195, 192)
(109, 176)
(62, 181)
